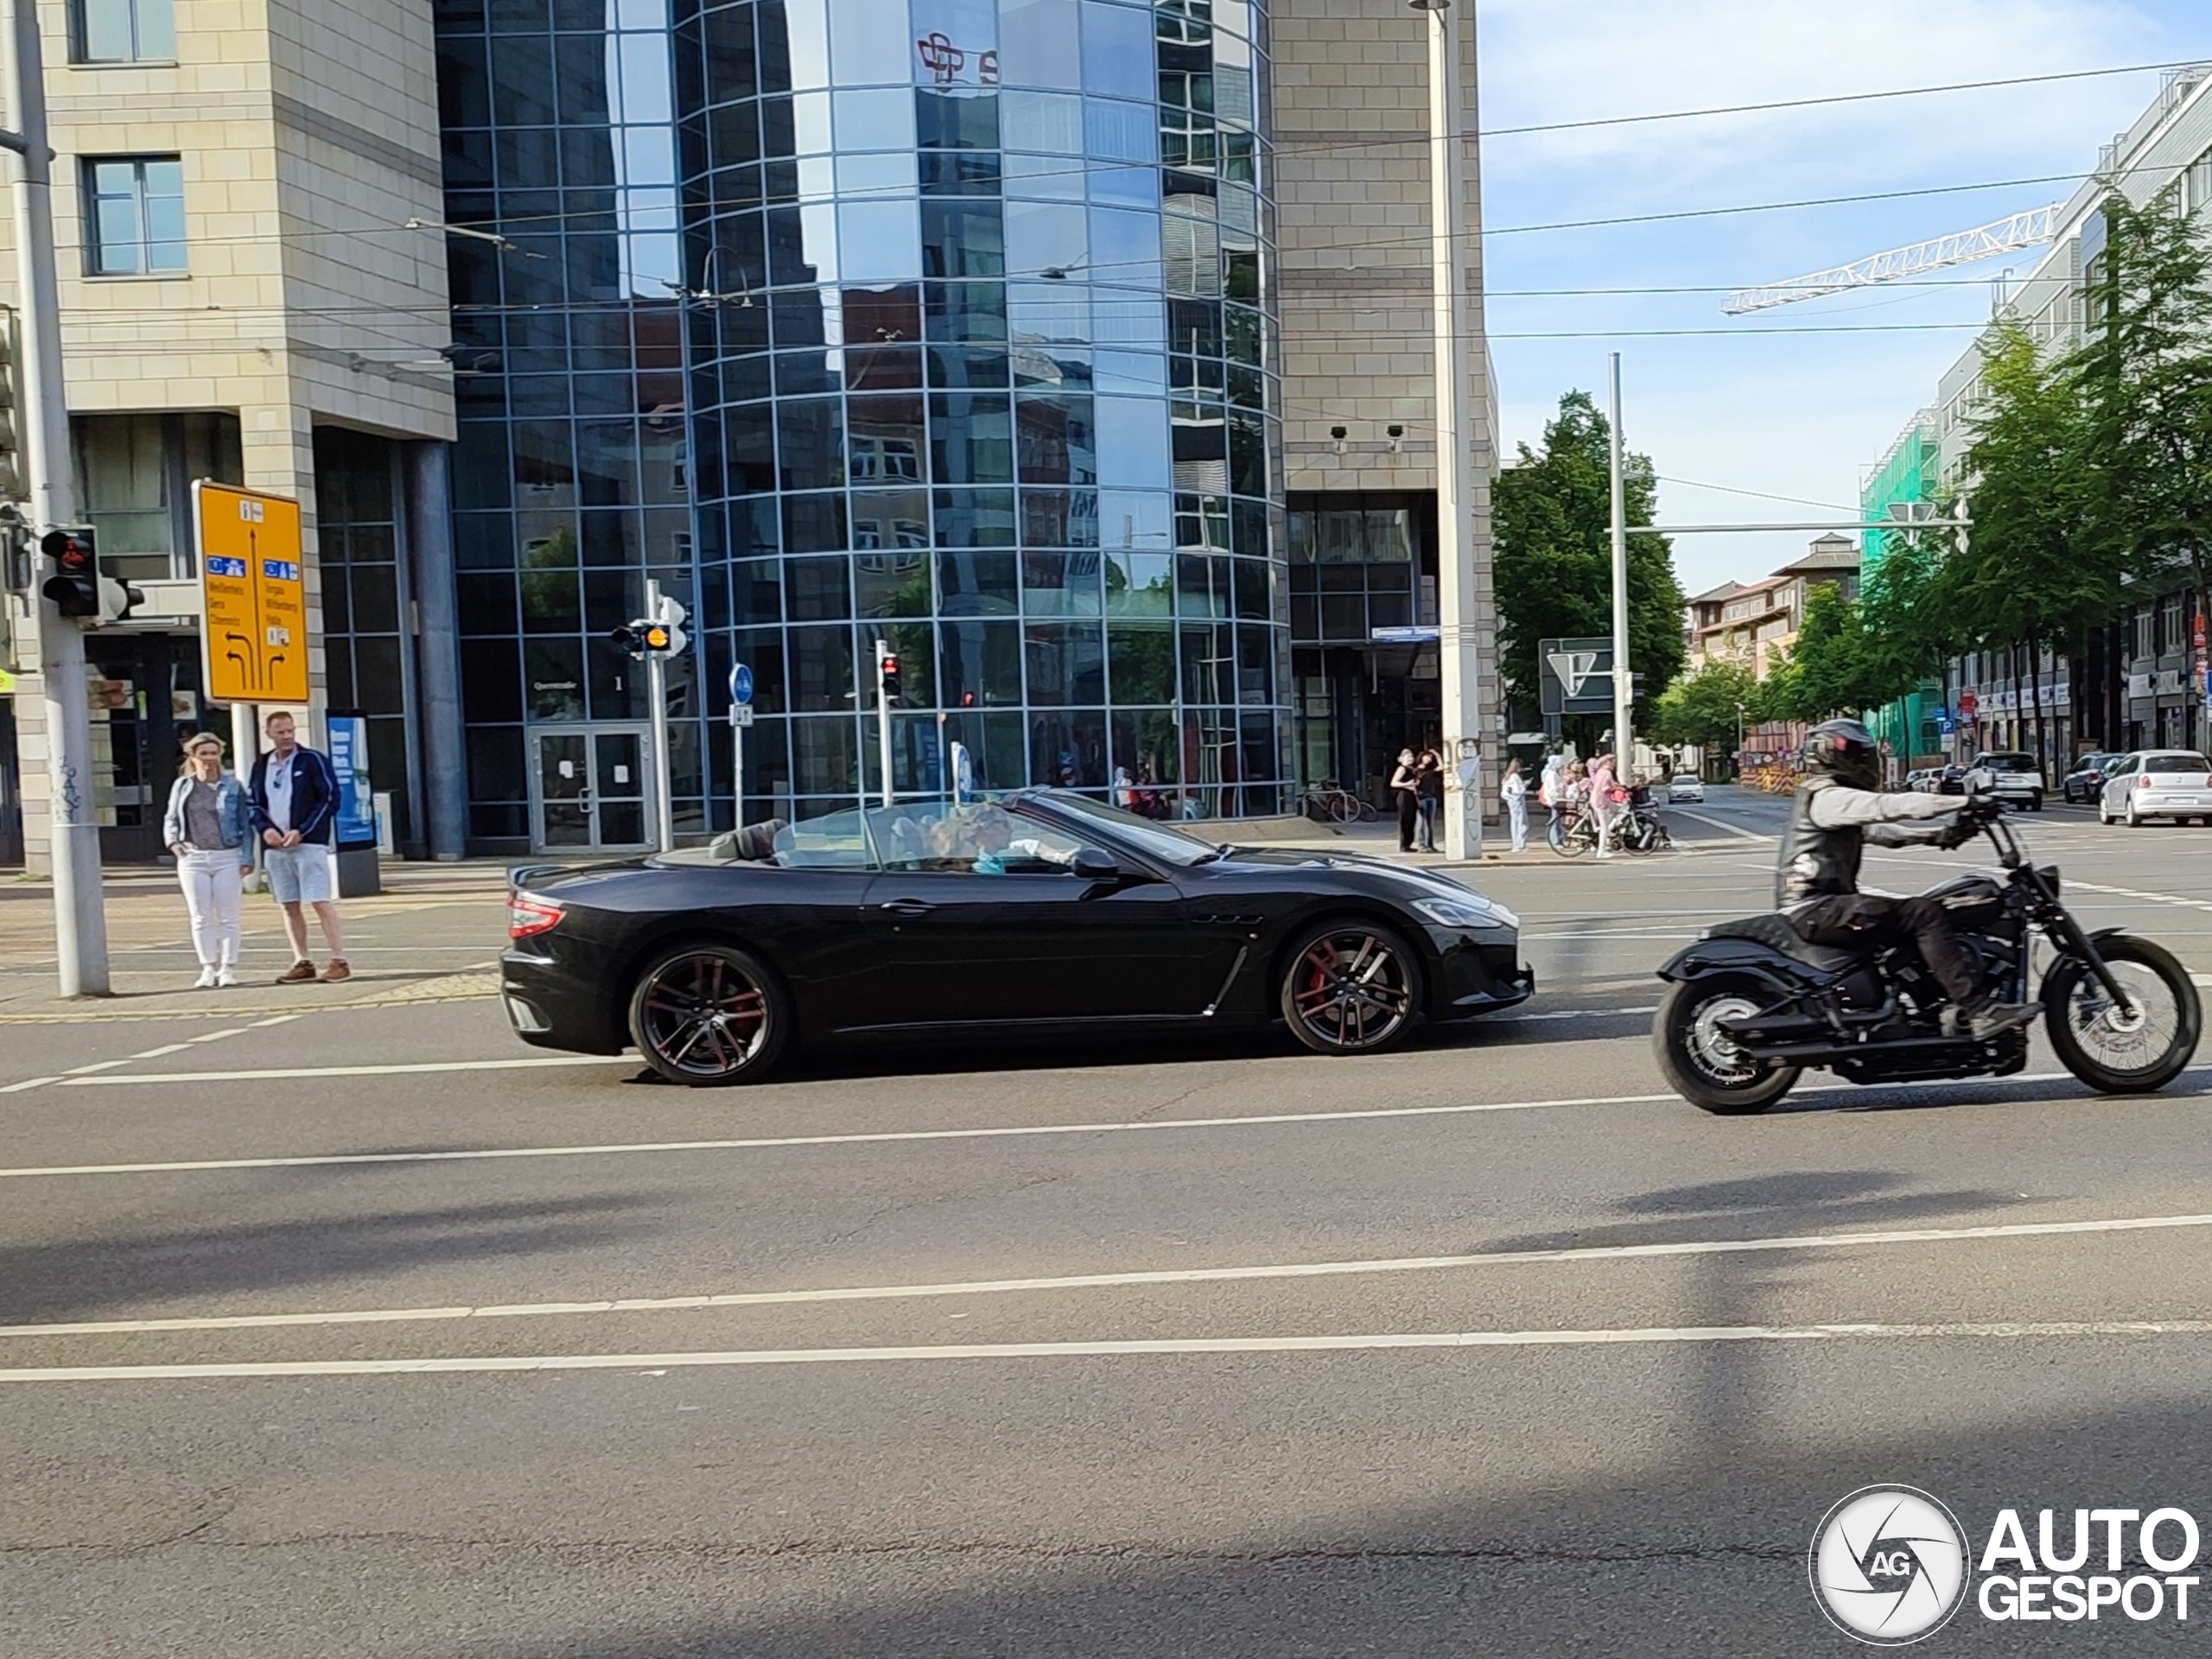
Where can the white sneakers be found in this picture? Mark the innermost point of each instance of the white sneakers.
(206, 982)
(225, 976)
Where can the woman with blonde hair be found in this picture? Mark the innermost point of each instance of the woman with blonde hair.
(208, 827)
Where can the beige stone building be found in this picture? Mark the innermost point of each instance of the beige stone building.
(244, 299)
(1352, 120)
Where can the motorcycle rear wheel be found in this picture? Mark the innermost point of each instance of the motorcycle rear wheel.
(1698, 1063)
(2112, 1052)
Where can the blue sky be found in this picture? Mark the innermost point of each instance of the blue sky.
(1795, 415)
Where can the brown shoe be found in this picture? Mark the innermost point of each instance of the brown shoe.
(296, 974)
(336, 971)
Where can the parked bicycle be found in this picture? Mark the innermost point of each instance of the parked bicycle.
(1325, 803)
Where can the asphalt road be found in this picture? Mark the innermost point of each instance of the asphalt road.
(371, 1334)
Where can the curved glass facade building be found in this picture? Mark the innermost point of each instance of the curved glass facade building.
(980, 365)
(946, 322)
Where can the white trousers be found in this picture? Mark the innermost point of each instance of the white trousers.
(1517, 815)
(210, 881)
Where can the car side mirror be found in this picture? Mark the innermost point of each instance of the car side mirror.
(1093, 865)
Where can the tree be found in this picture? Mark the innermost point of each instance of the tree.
(1553, 565)
(1708, 707)
(2143, 375)
(1834, 668)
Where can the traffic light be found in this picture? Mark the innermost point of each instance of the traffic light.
(74, 587)
(887, 672)
(649, 637)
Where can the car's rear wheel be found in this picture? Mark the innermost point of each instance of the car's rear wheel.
(709, 1014)
(1350, 987)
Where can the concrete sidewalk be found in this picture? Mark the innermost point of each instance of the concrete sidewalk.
(433, 934)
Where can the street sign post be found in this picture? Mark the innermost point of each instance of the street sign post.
(1576, 677)
(741, 716)
(253, 632)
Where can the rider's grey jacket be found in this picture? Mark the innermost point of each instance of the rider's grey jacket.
(1830, 826)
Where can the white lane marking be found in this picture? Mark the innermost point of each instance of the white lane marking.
(475, 1154)
(97, 1066)
(275, 1019)
(2133, 892)
(27, 1083)
(1737, 831)
(1112, 1281)
(1136, 1347)
(156, 1053)
(212, 1036)
(1569, 1013)
(472, 1154)
(535, 1062)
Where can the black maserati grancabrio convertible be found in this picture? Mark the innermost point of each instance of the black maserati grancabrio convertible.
(1041, 912)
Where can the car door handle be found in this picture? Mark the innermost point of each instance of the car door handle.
(907, 906)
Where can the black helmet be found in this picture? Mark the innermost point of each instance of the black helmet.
(1846, 750)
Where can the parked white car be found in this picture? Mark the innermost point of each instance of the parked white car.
(1685, 786)
(2173, 784)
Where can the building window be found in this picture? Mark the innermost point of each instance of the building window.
(135, 221)
(125, 31)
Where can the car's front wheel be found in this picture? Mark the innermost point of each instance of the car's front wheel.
(1350, 987)
(709, 1014)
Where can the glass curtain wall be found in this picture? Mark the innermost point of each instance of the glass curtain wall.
(979, 329)
(570, 478)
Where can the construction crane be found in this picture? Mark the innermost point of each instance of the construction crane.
(2029, 230)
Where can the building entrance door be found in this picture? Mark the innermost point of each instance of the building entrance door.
(590, 789)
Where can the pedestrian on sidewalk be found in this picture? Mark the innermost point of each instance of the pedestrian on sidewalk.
(208, 826)
(1404, 789)
(1429, 786)
(1513, 789)
(295, 795)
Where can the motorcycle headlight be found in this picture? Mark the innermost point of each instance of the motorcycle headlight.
(1470, 911)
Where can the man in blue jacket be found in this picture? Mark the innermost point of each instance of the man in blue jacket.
(295, 802)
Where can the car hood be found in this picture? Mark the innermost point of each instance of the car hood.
(1396, 878)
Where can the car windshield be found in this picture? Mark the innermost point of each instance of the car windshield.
(1684, 778)
(2176, 763)
(1153, 839)
(835, 841)
(2007, 762)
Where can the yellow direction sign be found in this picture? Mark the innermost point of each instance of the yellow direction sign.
(254, 618)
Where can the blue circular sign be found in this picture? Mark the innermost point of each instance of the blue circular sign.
(741, 683)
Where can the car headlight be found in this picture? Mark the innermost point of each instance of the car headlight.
(1465, 913)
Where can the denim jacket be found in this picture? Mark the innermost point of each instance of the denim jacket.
(233, 811)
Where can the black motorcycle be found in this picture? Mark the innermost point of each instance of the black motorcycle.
(1752, 1004)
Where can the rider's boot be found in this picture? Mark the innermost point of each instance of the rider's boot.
(1986, 1017)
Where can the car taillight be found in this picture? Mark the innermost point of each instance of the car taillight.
(527, 916)
(2143, 780)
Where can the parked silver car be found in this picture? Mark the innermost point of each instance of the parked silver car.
(1685, 786)
(2173, 784)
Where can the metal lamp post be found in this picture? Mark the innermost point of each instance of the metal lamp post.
(1459, 666)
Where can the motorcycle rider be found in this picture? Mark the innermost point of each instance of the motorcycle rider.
(1837, 810)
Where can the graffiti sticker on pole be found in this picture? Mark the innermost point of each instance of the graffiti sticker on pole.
(253, 636)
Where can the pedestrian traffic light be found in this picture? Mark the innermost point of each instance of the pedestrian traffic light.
(74, 587)
(887, 673)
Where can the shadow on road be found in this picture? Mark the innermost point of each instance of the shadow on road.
(210, 1264)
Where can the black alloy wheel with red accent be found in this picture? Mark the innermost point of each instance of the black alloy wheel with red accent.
(1350, 987)
(706, 1014)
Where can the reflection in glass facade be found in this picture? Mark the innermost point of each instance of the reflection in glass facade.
(975, 306)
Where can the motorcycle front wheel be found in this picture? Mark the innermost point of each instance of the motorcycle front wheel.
(1697, 1058)
(2115, 1052)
